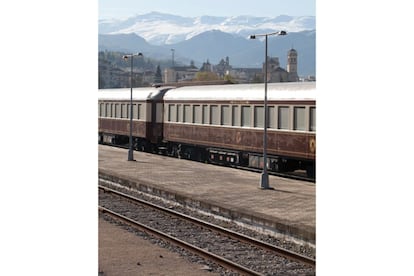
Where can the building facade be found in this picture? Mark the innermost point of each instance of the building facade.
(180, 73)
(275, 73)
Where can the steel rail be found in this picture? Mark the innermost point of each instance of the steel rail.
(199, 251)
(241, 237)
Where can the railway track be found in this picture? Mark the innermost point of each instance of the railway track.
(227, 248)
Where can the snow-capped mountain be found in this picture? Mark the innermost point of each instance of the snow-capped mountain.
(160, 29)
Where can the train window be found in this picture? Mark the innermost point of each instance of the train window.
(197, 116)
(135, 111)
(172, 116)
(123, 111)
(312, 120)
(283, 121)
(140, 112)
(271, 117)
(299, 118)
(113, 110)
(117, 115)
(205, 114)
(187, 113)
(245, 116)
(101, 110)
(235, 118)
(258, 116)
(214, 115)
(179, 108)
(225, 115)
(107, 110)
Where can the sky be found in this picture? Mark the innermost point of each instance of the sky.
(122, 9)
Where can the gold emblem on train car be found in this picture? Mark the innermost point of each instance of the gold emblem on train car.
(312, 145)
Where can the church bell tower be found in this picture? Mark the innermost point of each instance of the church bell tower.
(292, 65)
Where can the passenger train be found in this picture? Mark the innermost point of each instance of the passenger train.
(220, 124)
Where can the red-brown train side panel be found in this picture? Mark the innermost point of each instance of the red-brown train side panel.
(292, 144)
(121, 127)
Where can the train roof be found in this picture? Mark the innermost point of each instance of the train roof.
(138, 94)
(275, 91)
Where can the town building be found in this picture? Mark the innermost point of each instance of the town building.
(180, 73)
(238, 75)
(110, 76)
(275, 73)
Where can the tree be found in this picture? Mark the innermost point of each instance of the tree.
(158, 75)
(229, 78)
(206, 76)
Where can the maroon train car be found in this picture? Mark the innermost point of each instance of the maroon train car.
(114, 116)
(224, 124)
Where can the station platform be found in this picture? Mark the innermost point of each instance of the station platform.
(287, 209)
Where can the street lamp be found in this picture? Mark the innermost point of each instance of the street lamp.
(264, 180)
(131, 150)
(172, 51)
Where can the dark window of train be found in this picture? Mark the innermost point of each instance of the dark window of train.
(172, 116)
(283, 121)
(312, 120)
(214, 115)
(187, 113)
(197, 116)
(123, 113)
(205, 114)
(246, 116)
(179, 113)
(236, 116)
(225, 115)
(299, 118)
(258, 116)
(117, 115)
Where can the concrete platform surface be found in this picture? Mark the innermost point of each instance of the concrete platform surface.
(124, 253)
(288, 208)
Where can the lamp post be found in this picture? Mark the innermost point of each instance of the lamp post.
(172, 51)
(264, 179)
(131, 150)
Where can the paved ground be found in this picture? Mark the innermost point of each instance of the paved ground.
(290, 205)
(124, 253)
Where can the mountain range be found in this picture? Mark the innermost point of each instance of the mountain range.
(212, 38)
